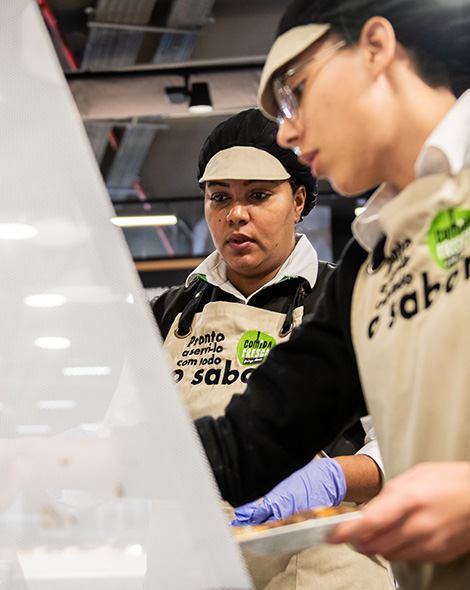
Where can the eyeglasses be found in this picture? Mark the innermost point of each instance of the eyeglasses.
(286, 101)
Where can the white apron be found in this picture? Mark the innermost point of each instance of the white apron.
(226, 343)
(410, 327)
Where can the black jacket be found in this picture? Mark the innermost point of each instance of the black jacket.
(246, 462)
(303, 396)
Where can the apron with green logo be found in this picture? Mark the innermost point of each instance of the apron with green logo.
(226, 342)
(410, 328)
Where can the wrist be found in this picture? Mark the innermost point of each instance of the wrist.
(339, 481)
(363, 477)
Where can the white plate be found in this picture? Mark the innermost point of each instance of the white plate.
(292, 537)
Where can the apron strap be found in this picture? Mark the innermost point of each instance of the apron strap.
(188, 313)
(378, 256)
(302, 291)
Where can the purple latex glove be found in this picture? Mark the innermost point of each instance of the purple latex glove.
(319, 483)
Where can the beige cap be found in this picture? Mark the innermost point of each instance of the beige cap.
(244, 163)
(284, 49)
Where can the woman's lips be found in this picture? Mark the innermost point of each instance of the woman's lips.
(310, 161)
(239, 241)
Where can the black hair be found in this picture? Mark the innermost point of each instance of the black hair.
(435, 32)
(252, 128)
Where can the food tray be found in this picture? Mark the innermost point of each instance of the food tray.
(291, 537)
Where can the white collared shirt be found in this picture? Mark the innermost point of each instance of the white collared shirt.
(303, 261)
(447, 150)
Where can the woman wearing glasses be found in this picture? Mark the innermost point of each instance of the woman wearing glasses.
(243, 300)
(372, 93)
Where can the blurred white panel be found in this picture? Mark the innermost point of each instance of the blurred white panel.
(103, 477)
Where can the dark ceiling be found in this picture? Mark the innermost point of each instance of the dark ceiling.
(120, 58)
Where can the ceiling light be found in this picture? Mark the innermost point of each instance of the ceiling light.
(359, 210)
(56, 404)
(52, 342)
(200, 101)
(81, 371)
(33, 429)
(45, 300)
(144, 220)
(17, 231)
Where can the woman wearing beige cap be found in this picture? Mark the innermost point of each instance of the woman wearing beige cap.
(371, 93)
(243, 300)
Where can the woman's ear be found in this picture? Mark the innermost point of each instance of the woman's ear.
(379, 43)
(299, 201)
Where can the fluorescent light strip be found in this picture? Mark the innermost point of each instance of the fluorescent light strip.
(33, 429)
(45, 300)
(52, 342)
(80, 371)
(56, 404)
(17, 231)
(144, 220)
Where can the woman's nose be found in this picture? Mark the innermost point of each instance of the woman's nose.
(288, 133)
(237, 213)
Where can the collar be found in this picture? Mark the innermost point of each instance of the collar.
(447, 150)
(303, 262)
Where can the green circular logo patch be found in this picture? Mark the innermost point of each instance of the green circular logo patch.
(448, 236)
(253, 347)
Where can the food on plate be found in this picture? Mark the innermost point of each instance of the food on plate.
(303, 516)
